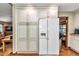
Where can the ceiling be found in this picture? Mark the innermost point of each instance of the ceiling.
(63, 7)
(68, 7)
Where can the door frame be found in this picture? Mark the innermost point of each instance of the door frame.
(66, 29)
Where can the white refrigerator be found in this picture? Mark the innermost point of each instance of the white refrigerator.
(49, 36)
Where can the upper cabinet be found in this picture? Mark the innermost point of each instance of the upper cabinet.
(53, 11)
(35, 11)
(26, 14)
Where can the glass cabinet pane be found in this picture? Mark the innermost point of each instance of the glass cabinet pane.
(33, 37)
(22, 38)
(33, 32)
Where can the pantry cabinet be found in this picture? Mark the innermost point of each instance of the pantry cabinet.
(26, 31)
(35, 29)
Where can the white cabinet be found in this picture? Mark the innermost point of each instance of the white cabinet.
(22, 38)
(75, 43)
(33, 24)
(26, 31)
(21, 31)
(33, 37)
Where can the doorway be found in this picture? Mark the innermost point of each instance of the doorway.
(63, 32)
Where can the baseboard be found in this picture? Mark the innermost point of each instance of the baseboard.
(26, 54)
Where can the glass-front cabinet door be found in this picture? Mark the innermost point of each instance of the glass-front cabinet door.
(21, 30)
(27, 29)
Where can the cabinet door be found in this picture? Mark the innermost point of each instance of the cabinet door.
(21, 30)
(76, 45)
(32, 32)
(22, 15)
(22, 38)
(53, 36)
(33, 37)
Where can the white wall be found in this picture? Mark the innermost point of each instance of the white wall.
(5, 12)
(5, 18)
(76, 17)
(70, 16)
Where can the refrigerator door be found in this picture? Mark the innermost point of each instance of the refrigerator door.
(43, 36)
(53, 36)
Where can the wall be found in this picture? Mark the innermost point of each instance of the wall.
(5, 18)
(76, 17)
(5, 12)
(70, 16)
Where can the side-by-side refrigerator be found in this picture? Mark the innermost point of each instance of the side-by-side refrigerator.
(49, 36)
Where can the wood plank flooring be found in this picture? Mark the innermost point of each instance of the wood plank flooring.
(68, 52)
(63, 52)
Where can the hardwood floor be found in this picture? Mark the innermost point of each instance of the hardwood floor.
(7, 52)
(68, 52)
(29, 54)
(63, 52)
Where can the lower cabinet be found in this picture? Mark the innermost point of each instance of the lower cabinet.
(75, 44)
(33, 46)
(27, 38)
